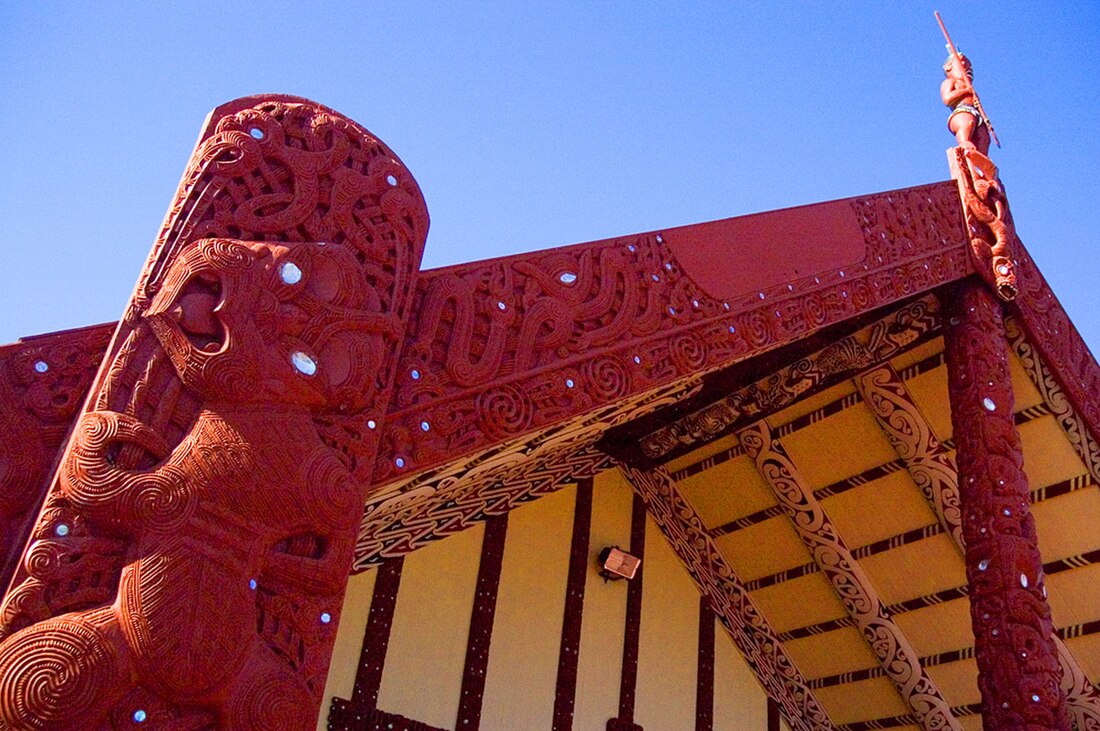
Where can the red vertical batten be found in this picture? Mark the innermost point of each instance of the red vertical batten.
(632, 635)
(704, 677)
(345, 714)
(565, 691)
(1018, 671)
(773, 715)
(481, 624)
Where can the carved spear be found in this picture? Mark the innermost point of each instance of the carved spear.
(966, 80)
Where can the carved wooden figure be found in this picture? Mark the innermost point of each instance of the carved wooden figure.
(189, 564)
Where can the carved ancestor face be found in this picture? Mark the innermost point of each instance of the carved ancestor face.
(287, 323)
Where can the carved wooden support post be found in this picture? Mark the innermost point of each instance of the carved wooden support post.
(189, 564)
(1017, 659)
(853, 588)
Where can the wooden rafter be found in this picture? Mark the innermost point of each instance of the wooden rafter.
(935, 473)
(852, 586)
(730, 601)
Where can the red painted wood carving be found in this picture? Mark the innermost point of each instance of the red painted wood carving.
(43, 382)
(506, 347)
(190, 561)
(729, 600)
(1018, 665)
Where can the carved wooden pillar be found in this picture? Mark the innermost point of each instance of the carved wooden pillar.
(189, 564)
(1017, 660)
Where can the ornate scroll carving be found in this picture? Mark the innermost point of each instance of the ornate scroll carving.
(43, 381)
(993, 241)
(853, 588)
(934, 471)
(189, 564)
(1075, 428)
(728, 598)
(928, 463)
(873, 344)
(516, 344)
(1018, 670)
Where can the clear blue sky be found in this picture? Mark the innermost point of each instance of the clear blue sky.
(532, 125)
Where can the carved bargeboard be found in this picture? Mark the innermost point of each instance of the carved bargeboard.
(189, 564)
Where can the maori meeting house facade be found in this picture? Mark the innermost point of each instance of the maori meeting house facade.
(304, 484)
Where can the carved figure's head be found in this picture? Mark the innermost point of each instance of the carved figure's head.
(958, 66)
(289, 323)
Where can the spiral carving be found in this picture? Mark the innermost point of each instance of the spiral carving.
(271, 309)
(607, 378)
(505, 411)
(51, 675)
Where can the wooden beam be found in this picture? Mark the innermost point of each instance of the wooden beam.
(934, 471)
(731, 603)
(852, 585)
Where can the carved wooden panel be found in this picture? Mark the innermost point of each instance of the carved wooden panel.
(188, 567)
(43, 382)
(853, 587)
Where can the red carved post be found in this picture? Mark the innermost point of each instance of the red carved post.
(190, 560)
(1019, 674)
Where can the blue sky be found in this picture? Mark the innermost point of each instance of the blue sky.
(532, 125)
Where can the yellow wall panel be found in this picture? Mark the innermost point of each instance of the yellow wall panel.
(1066, 525)
(799, 602)
(957, 681)
(831, 653)
(818, 450)
(669, 649)
(739, 701)
(349, 642)
(422, 677)
(742, 548)
(939, 628)
(894, 501)
(523, 656)
(916, 569)
(861, 701)
(1048, 455)
(602, 629)
(732, 489)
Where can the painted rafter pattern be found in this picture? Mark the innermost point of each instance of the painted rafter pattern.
(873, 344)
(730, 601)
(852, 585)
(1075, 427)
(934, 471)
(929, 464)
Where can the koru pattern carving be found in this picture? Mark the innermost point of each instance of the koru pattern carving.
(852, 586)
(43, 381)
(875, 343)
(933, 469)
(190, 561)
(930, 465)
(1075, 428)
(505, 347)
(730, 601)
(1018, 668)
